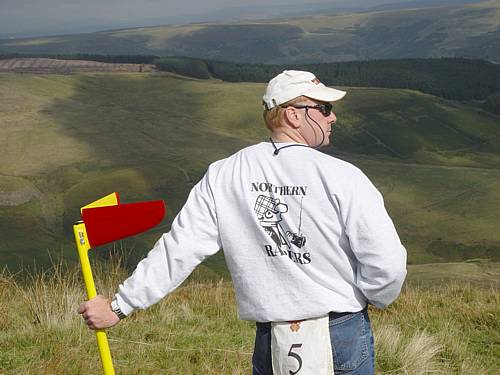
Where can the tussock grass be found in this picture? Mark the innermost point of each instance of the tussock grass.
(50, 295)
(448, 329)
(417, 354)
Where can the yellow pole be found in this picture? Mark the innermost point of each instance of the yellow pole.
(82, 244)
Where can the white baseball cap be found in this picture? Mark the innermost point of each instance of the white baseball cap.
(293, 83)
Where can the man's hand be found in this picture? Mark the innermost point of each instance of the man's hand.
(97, 313)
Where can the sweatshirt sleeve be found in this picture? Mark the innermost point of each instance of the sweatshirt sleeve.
(375, 243)
(193, 236)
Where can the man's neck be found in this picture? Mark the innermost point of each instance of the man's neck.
(282, 137)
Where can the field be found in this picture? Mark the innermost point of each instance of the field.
(69, 139)
(451, 328)
(469, 30)
(54, 66)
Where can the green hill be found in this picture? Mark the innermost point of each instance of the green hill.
(470, 30)
(67, 140)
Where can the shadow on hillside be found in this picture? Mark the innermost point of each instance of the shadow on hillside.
(153, 136)
(143, 136)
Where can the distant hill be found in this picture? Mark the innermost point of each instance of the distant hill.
(450, 78)
(67, 140)
(470, 30)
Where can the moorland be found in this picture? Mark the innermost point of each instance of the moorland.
(69, 139)
(450, 30)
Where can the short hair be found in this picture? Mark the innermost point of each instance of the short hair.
(274, 117)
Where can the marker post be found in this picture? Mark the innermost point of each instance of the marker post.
(104, 221)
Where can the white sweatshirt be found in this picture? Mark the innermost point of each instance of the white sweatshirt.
(303, 234)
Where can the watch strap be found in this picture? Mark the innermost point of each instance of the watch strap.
(116, 309)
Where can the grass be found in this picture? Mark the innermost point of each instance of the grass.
(133, 143)
(477, 272)
(438, 209)
(67, 140)
(451, 328)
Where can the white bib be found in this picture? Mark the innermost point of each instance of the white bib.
(302, 347)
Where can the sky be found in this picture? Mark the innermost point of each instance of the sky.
(50, 17)
(35, 17)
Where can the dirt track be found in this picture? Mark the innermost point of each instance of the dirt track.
(53, 66)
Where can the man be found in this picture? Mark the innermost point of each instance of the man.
(306, 238)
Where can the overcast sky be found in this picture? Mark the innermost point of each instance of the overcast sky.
(44, 17)
(35, 17)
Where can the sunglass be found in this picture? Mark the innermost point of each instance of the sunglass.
(324, 108)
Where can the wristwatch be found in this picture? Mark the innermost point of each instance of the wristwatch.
(116, 309)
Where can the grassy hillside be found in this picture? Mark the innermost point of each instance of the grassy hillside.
(70, 139)
(470, 30)
(449, 329)
(67, 140)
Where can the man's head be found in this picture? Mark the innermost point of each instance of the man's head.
(297, 104)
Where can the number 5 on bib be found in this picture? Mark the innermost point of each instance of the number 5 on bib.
(302, 348)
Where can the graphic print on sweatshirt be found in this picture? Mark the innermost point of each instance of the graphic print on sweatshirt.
(270, 212)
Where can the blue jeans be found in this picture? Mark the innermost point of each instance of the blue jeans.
(352, 345)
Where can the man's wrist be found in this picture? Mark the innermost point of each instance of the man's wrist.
(116, 309)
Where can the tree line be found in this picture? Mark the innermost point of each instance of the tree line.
(450, 78)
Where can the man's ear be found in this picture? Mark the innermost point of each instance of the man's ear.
(292, 117)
